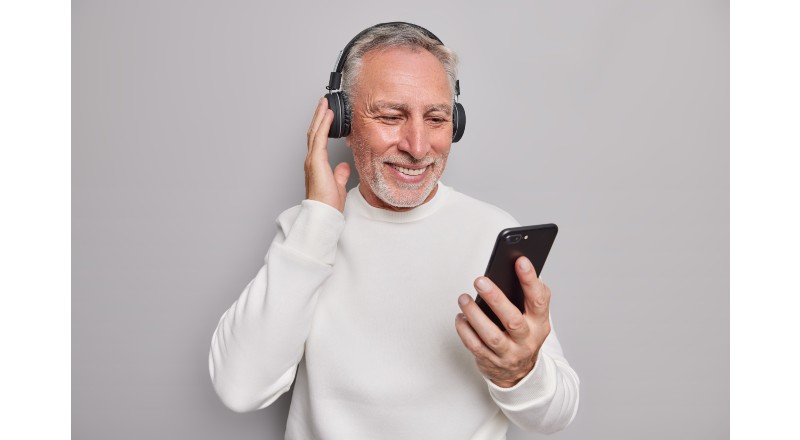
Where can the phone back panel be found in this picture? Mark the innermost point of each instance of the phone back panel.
(533, 242)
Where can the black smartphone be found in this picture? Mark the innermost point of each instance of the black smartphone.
(533, 242)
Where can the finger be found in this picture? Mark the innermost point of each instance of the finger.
(506, 311)
(319, 140)
(341, 173)
(316, 120)
(473, 342)
(487, 331)
(537, 294)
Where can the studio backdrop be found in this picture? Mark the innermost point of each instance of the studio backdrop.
(607, 117)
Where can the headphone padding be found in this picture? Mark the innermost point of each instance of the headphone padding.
(459, 121)
(347, 113)
(335, 104)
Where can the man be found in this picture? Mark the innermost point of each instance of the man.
(359, 289)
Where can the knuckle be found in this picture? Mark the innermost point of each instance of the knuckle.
(495, 296)
(528, 278)
(507, 363)
(516, 323)
(541, 297)
(474, 347)
(495, 340)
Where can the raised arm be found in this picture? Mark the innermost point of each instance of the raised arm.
(260, 339)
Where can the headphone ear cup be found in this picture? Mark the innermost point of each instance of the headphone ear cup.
(347, 114)
(338, 103)
(335, 104)
(459, 121)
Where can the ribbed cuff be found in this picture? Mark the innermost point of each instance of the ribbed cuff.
(316, 231)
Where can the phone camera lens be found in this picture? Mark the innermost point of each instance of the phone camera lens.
(513, 239)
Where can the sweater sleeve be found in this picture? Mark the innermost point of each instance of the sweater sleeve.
(546, 400)
(260, 339)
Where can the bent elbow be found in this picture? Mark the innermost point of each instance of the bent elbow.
(237, 404)
(235, 398)
(242, 398)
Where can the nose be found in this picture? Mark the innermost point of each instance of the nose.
(414, 138)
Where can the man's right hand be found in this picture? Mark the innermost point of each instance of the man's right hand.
(322, 183)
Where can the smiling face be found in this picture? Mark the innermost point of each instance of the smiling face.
(402, 126)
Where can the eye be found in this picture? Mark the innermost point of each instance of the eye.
(437, 120)
(390, 119)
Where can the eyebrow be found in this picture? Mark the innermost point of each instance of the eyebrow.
(387, 105)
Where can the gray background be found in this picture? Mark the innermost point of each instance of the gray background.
(609, 118)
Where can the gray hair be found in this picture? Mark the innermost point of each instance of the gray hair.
(391, 36)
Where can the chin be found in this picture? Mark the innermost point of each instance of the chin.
(402, 195)
(404, 202)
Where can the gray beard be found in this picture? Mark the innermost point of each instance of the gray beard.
(387, 192)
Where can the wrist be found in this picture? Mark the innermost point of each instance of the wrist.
(506, 384)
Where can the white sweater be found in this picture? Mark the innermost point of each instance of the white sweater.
(360, 308)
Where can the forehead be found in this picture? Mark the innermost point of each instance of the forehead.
(403, 74)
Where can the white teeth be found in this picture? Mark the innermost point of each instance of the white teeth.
(408, 171)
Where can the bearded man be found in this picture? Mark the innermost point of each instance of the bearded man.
(356, 299)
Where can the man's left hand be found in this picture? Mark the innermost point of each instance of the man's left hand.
(506, 357)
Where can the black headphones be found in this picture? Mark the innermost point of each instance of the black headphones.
(337, 99)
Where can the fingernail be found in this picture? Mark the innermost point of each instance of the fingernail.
(525, 265)
(463, 299)
(483, 284)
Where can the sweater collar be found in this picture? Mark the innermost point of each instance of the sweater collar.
(357, 204)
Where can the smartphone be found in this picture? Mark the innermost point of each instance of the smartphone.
(533, 242)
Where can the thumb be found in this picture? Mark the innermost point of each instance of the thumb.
(341, 174)
(536, 293)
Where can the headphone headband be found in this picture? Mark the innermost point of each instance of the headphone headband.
(335, 80)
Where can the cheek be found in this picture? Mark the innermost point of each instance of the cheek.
(374, 130)
(377, 139)
(441, 147)
(441, 140)
(363, 154)
(382, 137)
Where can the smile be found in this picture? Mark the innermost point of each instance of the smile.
(409, 171)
